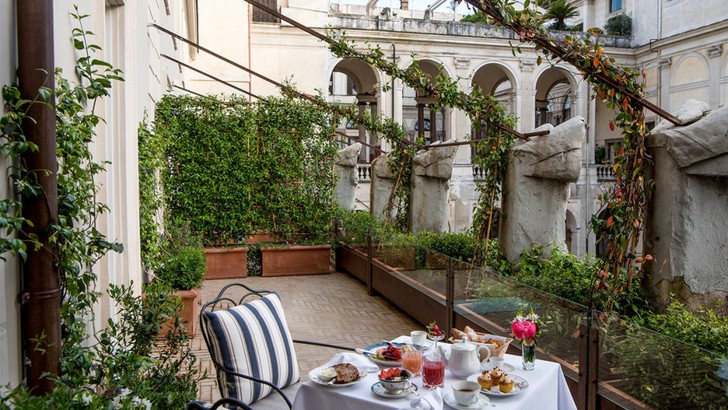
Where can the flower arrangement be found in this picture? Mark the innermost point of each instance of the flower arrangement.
(526, 329)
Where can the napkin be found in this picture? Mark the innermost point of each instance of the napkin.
(431, 400)
(355, 359)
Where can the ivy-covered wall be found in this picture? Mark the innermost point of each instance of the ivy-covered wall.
(234, 168)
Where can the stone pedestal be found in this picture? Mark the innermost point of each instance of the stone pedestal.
(536, 188)
(381, 186)
(687, 225)
(432, 172)
(345, 168)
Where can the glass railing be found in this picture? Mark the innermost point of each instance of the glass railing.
(609, 363)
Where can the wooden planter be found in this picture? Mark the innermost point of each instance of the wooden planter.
(190, 312)
(296, 260)
(226, 263)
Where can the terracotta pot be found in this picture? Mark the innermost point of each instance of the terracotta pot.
(190, 311)
(296, 260)
(226, 263)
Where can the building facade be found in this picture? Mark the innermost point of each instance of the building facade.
(678, 43)
(121, 29)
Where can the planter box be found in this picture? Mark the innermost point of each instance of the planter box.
(296, 260)
(190, 312)
(226, 263)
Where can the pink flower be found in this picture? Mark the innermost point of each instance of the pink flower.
(523, 329)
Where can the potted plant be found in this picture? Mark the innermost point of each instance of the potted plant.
(182, 269)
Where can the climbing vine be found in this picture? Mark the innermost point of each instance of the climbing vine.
(114, 367)
(486, 113)
(401, 155)
(622, 88)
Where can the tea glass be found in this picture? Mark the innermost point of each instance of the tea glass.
(433, 370)
(412, 361)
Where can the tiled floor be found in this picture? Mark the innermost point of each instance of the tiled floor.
(330, 308)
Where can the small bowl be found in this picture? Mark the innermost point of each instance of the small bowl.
(327, 374)
(396, 385)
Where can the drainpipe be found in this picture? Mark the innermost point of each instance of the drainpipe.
(41, 295)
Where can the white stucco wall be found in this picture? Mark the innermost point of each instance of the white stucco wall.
(129, 44)
(10, 363)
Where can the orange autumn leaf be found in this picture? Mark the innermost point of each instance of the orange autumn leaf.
(625, 103)
(610, 222)
(595, 62)
(611, 126)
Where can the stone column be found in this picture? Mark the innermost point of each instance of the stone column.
(362, 105)
(536, 188)
(421, 120)
(714, 53)
(431, 173)
(433, 123)
(381, 187)
(664, 66)
(345, 168)
(686, 230)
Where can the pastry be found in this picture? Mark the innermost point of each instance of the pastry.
(485, 381)
(346, 373)
(506, 384)
(495, 376)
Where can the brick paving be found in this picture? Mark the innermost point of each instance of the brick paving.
(333, 308)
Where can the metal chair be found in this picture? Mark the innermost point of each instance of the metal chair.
(238, 301)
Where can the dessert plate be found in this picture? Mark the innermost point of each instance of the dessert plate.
(519, 384)
(482, 402)
(313, 375)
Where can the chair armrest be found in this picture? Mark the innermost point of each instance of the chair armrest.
(257, 380)
(199, 405)
(306, 342)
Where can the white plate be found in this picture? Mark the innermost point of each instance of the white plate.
(313, 376)
(384, 362)
(379, 390)
(481, 403)
(518, 381)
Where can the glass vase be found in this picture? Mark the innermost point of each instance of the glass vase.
(528, 353)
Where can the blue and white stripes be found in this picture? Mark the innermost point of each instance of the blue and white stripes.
(253, 339)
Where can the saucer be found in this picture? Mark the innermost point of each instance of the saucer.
(379, 390)
(481, 403)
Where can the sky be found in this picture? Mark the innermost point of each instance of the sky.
(414, 4)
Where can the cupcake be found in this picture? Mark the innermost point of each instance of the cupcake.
(485, 381)
(495, 376)
(506, 384)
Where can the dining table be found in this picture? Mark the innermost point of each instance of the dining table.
(546, 389)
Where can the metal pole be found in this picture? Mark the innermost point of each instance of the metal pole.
(41, 296)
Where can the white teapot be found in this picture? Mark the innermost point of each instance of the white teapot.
(463, 360)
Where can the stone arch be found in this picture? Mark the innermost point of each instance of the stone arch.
(691, 68)
(689, 78)
(555, 91)
(418, 114)
(492, 77)
(352, 81)
(496, 79)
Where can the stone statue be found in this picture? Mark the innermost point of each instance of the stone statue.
(536, 188)
(381, 187)
(686, 230)
(431, 174)
(345, 168)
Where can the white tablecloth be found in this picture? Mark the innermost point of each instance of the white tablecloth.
(547, 390)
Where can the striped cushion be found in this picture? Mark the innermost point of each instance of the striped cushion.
(252, 339)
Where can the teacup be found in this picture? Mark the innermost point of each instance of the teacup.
(494, 362)
(465, 392)
(418, 337)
